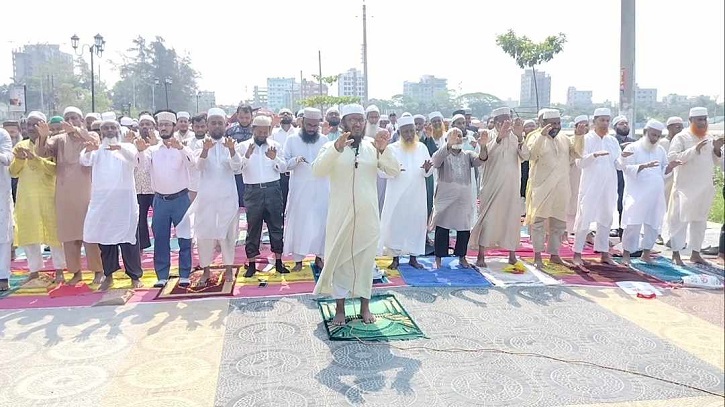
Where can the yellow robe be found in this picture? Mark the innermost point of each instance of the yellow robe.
(35, 217)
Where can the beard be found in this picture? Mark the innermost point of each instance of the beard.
(260, 142)
(217, 135)
(647, 145)
(370, 129)
(409, 146)
(621, 132)
(437, 132)
(199, 135)
(309, 138)
(166, 136)
(334, 122)
(286, 121)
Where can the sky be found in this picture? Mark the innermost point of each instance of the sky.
(235, 45)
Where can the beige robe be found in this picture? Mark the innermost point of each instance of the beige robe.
(575, 174)
(453, 202)
(549, 192)
(497, 224)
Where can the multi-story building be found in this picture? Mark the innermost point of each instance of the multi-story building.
(674, 99)
(426, 89)
(281, 92)
(578, 98)
(645, 97)
(259, 97)
(351, 83)
(28, 61)
(205, 100)
(312, 88)
(528, 89)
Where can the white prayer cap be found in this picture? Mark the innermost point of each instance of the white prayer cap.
(405, 121)
(527, 122)
(581, 118)
(93, 115)
(108, 116)
(135, 122)
(352, 109)
(72, 109)
(540, 114)
(457, 117)
(419, 116)
(168, 116)
(501, 111)
(262, 121)
(300, 113)
(216, 112)
(602, 111)
(38, 115)
(674, 120)
(433, 115)
(698, 111)
(146, 117)
(332, 109)
(551, 114)
(372, 108)
(284, 110)
(384, 117)
(654, 124)
(619, 119)
(405, 114)
(312, 113)
(109, 120)
(183, 114)
(126, 121)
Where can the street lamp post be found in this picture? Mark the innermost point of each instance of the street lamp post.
(197, 102)
(97, 48)
(167, 82)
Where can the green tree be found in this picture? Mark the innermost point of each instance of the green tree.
(481, 104)
(529, 54)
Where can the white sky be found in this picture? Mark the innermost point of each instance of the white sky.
(680, 44)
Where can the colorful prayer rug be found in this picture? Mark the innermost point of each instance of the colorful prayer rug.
(605, 275)
(663, 269)
(15, 281)
(392, 321)
(449, 275)
(501, 273)
(216, 286)
(714, 269)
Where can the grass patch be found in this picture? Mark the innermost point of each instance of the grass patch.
(718, 206)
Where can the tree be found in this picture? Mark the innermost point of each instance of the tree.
(326, 100)
(529, 54)
(481, 104)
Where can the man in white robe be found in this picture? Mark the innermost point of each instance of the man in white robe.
(280, 135)
(404, 218)
(372, 125)
(645, 167)
(498, 224)
(196, 143)
(598, 188)
(213, 216)
(183, 134)
(112, 218)
(304, 229)
(353, 221)
(674, 127)
(6, 209)
(581, 127)
(692, 189)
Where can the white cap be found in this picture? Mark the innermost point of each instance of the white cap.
(109, 119)
(352, 109)
(262, 121)
(72, 109)
(540, 114)
(433, 115)
(332, 109)
(312, 113)
(126, 121)
(551, 114)
(698, 111)
(183, 114)
(93, 115)
(135, 122)
(405, 114)
(581, 118)
(285, 110)
(300, 113)
(654, 124)
(38, 115)
(674, 120)
(500, 111)
(216, 112)
(106, 116)
(530, 121)
(372, 108)
(619, 119)
(405, 121)
(457, 117)
(419, 116)
(168, 116)
(146, 117)
(602, 111)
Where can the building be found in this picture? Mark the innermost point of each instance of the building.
(528, 89)
(311, 88)
(674, 99)
(645, 97)
(578, 98)
(259, 97)
(28, 61)
(281, 92)
(426, 89)
(351, 83)
(205, 100)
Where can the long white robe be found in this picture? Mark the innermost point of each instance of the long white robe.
(195, 145)
(643, 200)
(6, 197)
(597, 201)
(308, 199)
(575, 175)
(692, 189)
(353, 220)
(404, 218)
(112, 216)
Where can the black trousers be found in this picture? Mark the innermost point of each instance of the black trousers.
(620, 196)
(131, 259)
(524, 177)
(441, 242)
(14, 187)
(240, 189)
(264, 204)
(284, 182)
(145, 201)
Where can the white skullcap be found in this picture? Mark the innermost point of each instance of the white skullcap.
(312, 113)
(332, 109)
(183, 114)
(501, 111)
(38, 115)
(94, 115)
(384, 117)
(134, 121)
(126, 121)
(527, 122)
(168, 116)
(405, 121)
(216, 112)
(551, 114)
(262, 121)
(300, 113)
(581, 118)
(541, 112)
(284, 110)
(698, 111)
(405, 114)
(72, 109)
(433, 115)
(109, 120)
(108, 116)
(619, 119)
(654, 124)
(602, 111)
(458, 116)
(352, 109)
(674, 120)
(146, 117)
(372, 108)
(419, 116)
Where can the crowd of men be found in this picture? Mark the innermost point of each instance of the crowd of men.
(343, 187)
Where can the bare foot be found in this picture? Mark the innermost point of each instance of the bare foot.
(136, 284)
(438, 263)
(413, 262)
(577, 260)
(77, 277)
(106, 284)
(463, 262)
(558, 260)
(59, 277)
(646, 257)
(539, 264)
(4, 284)
(394, 265)
(367, 317)
(34, 275)
(512, 258)
(625, 258)
(97, 277)
(229, 274)
(607, 259)
(205, 276)
(339, 319)
(297, 267)
(677, 259)
(481, 263)
(697, 259)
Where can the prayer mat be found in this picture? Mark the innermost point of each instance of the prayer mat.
(501, 273)
(663, 269)
(216, 286)
(450, 275)
(554, 269)
(15, 281)
(714, 269)
(65, 290)
(392, 321)
(316, 271)
(605, 275)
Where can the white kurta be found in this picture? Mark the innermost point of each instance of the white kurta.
(308, 199)
(644, 200)
(112, 216)
(598, 185)
(214, 212)
(692, 189)
(404, 220)
(6, 197)
(353, 222)
(195, 145)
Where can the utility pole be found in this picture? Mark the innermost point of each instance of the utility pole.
(319, 63)
(627, 80)
(365, 51)
(302, 92)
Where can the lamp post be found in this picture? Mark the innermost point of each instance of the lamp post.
(197, 102)
(97, 48)
(167, 82)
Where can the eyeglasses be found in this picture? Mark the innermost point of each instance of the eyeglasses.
(355, 120)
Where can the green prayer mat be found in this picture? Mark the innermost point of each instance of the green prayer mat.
(392, 322)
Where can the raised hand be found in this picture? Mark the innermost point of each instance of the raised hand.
(428, 129)
(68, 128)
(91, 146)
(518, 127)
(250, 150)
(29, 154)
(271, 152)
(483, 137)
(300, 159)
(175, 143)
(673, 164)
(701, 144)
(626, 154)
(382, 138)
(20, 153)
(43, 129)
(718, 143)
(601, 153)
(581, 129)
(208, 144)
(343, 141)
(427, 165)
(129, 137)
(229, 143)
(505, 129)
(140, 144)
